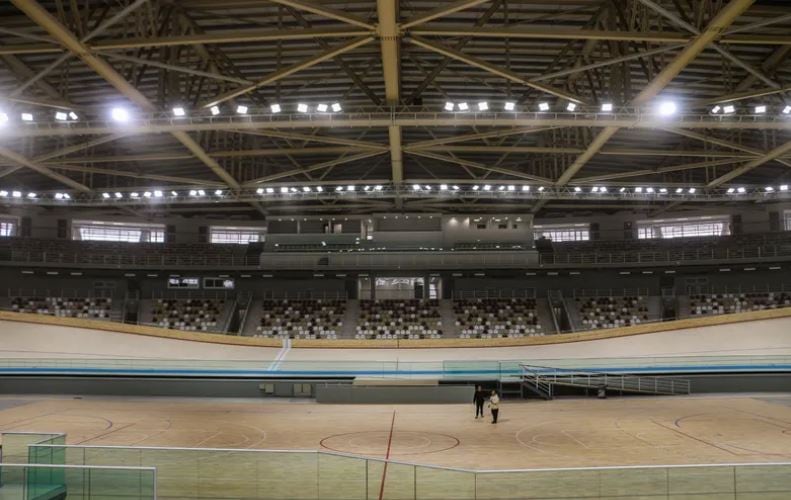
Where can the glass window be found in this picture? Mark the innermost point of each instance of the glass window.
(8, 227)
(683, 228)
(118, 231)
(563, 232)
(787, 220)
(235, 235)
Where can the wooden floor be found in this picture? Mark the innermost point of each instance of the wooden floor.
(561, 433)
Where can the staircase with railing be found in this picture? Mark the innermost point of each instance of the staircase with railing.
(542, 380)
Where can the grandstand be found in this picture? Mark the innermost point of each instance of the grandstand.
(276, 249)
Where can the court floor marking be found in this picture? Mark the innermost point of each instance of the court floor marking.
(387, 458)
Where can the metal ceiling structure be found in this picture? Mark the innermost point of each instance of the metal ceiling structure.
(392, 66)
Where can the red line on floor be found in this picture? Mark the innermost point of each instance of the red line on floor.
(387, 458)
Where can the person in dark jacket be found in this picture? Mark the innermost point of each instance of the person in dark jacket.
(479, 398)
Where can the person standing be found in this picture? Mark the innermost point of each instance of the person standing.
(494, 406)
(479, 398)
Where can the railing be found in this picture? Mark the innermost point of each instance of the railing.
(446, 370)
(544, 375)
(666, 256)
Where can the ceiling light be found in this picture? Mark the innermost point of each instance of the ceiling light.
(663, 190)
(740, 190)
(275, 108)
(218, 192)
(487, 187)
(147, 194)
(649, 190)
(769, 189)
(283, 190)
(215, 110)
(512, 188)
(543, 106)
(322, 108)
(270, 190)
(667, 108)
(728, 109)
(761, 109)
(133, 195)
(61, 116)
(32, 195)
(319, 189)
(455, 187)
(179, 111)
(378, 187)
(595, 189)
(193, 192)
(483, 106)
(241, 109)
(105, 195)
(157, 194)
(463, 106)
(449, 106)
(691, 190)
(602, 189)
(415, 187)
(679, 190)
(58, 196)
(306, 189)
(501, 188)
(336, 107)
(638, 190)
(27, 117)
(540, 189)
(3, 194)
(730, 190)
(787, 110)
(509, 106)
(443, 187)
(606, 107)
(16, 194)
(201, 192)
(784, 187)
(350, 188)
(577, 189)
(73, 115)
(525, 188)
(571, 106)
(476, 187)
(121, 115)
(338, 189)
(118, 196)
(3, 118)
(716, 109)
(427, 188)
(173, 193)
(302, 108)
(259, 191)
(622, 190)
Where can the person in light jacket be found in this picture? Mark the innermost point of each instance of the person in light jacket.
(494, 405)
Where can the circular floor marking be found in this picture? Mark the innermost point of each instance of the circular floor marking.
(375, 443)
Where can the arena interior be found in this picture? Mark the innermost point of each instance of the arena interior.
(277, 249)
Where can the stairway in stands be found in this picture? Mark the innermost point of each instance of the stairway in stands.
(350, 319)
(448, 318)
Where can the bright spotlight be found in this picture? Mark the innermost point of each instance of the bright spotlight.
(306, 189)
(319, 189)
(638, 189)
(241, 109)
(259, 191)
(443, 187)
(338, 189)
(784, 187)
(27, 117)
(302, 108)
(512, 188)
(691, 190)
(61, 116)
(73, 115)
(543, 106)
(336, 107)
(787, 110)
(193, 192)
(173, 194)
(378, 187)
(541, 189)
(525, 188)
(415, 187)
(134, 195)
(32, 196)
(201, 192)
(667, 108)
(455, 187)
(577, 189)
(178, 111)
(3, 118)
(663, 190)
(740, 190)
(275, 108)
(730, 190)
(147, 194)
(622, 190)
(283, 190)
(16, 194)
(270, 190)
(3, 194)
(501, 188)
(121, 115)
(509, 106)
(730, 108)
(571, 106)
(761, 109)
(487, 187)
(58, 196)
(449, 106)
(483, 106)
(602, 189)
(322, 108)
(118, 196)
(218, 192)
(157, 194)
(606, 107)
(476, 187)
(649, 190)
(215, 110)
(463, 106)
(105, 195)
(350, 188)
(679, 190)
(769, 189)
(716, 109)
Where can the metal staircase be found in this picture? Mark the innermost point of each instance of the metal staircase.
(542, 380)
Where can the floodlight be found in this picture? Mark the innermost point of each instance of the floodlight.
(487, 187)
(456, 188)
(215, 110)
(336, 107)
(525, 188)
(769, 189)
(378, 187)
(16, 194)
(543, 106)
(501, 188)
(679, 190)
(730, 108)
(449, 106)
(595, 189)
(259, 191)
(73, 115)
(193, 192)
(638, 190)
(105, 195)
(509, 106)
(740, 190)
(338, 188)
(730, 190)
(270, 190)
(319, 189)
(118, 196)
(663, 190)
(443, 187)
(415, 187)
(134, 195)
(157, 194)
(275, 108)
(571, 106)
(201, 192)
(784, 187)
(476, 187)
(27, 117)
(218, 192)
(3, 118)
(606, 107)
(602, 189)
(483, 106)
(760, 109)
(322, 108)
(120, 115)
(463, 106)
(173, 193)
(178, 111)
(667, 108)
(691, 190)
(716, 109)
(577, 189)
(787, 110)
(512, 188)
(306, 189)
(241, 109)
(541, 189)
(32, 195)
(61, 116)
(58, 196)
(649, 190)
(622, 190)
(302, 108)
(284, 190)
(350, 188)
(147, 194)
